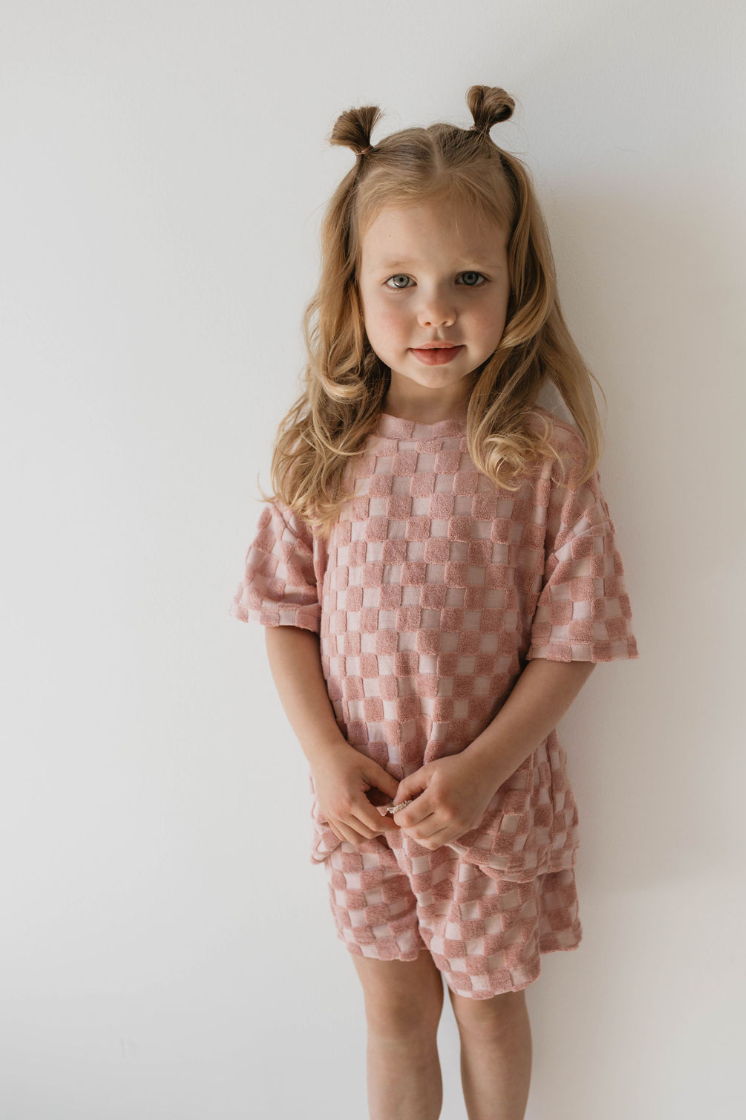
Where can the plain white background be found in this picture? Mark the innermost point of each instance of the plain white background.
(167, 950)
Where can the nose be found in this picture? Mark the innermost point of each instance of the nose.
(436, 311)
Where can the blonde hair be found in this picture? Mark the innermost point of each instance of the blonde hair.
(345, 383)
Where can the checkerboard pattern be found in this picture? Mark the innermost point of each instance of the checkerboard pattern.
(434, 590)
(485, 934)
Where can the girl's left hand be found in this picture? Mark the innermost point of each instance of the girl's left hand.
(451, 794)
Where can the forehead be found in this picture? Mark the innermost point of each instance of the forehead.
(418, 234)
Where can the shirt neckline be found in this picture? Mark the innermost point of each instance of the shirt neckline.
(398, 428)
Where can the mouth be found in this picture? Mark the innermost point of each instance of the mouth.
(437, 346)
(436, 355)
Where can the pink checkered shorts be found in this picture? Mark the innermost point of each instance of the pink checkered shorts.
(485, 933)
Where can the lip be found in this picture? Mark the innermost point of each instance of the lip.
(439, 344)
(436, 355)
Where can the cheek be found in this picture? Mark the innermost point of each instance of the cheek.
(386, 318)
(489, 319)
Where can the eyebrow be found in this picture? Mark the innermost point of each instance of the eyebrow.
(404, 264)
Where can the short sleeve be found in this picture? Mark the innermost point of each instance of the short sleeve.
(583, 612)
(279, 583)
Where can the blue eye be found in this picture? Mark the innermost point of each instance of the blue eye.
(401, 275)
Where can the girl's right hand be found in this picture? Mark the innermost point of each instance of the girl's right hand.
(341, 782)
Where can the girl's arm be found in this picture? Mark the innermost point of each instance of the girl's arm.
(342, 775)
(295, 663)
(540, 697)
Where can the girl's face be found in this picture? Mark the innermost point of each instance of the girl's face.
(421, 281)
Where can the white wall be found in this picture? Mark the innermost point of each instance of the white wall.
(164, 171)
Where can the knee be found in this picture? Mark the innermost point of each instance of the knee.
(410, 1010)
(417, 1015)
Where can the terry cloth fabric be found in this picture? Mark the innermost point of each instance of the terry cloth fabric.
(433, 591)
(485, 933)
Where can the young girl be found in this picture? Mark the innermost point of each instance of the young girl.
(437, 573)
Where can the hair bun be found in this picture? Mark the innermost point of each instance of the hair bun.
(353, 127)
(489, 105)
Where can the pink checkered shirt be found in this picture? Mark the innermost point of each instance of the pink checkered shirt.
(433, 591)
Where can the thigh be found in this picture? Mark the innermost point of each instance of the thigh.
(372, 902)
(499, 1011)
(376, 916)
(487, 934)
(402, 995)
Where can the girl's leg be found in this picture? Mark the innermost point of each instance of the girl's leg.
(495, 1054)
(403, 1003)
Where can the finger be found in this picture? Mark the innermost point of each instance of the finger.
(440, 837)
(367, 818)
(347, 833)
(380, 778)
(385, 781)
(376, 816)
(339, 828)
(355, 828)
(385, 823)
(414, 814)
(412, 786)
(426, 828)
(435, 839)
